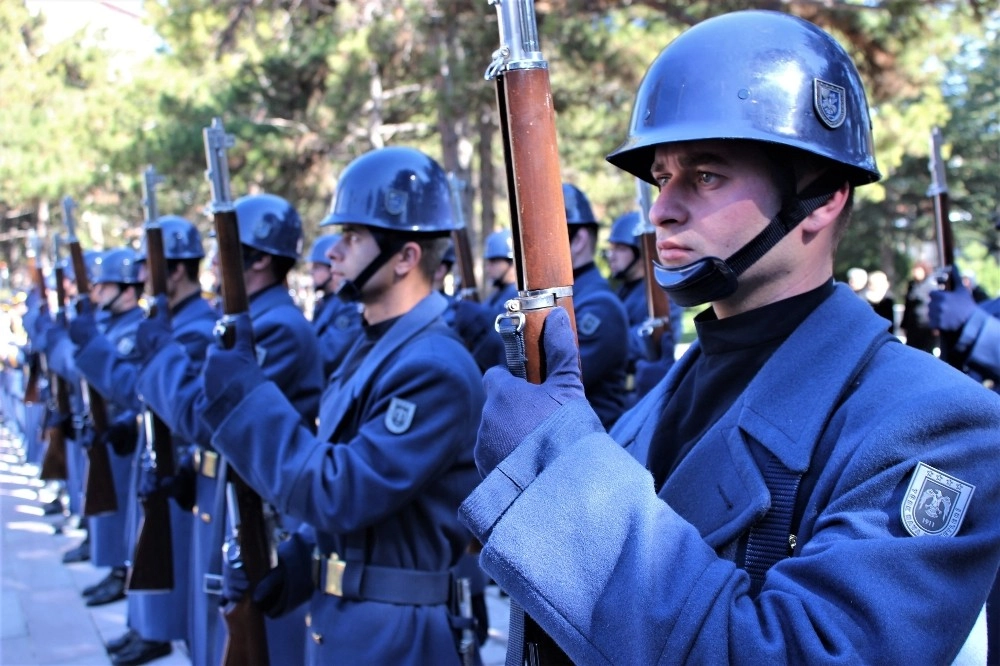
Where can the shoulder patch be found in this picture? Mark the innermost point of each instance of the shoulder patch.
(399, 416)
(935, 502)
(588, 324)
(125, 345)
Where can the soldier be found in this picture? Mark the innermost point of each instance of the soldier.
(270, 233)
(498, 251)
(601, 320)
(337, 323)
(796, 438)
(105, 356)
(379, 484)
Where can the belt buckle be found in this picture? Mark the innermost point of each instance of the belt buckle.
(333, 582)
(209, 464)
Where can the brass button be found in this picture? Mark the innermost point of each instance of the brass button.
(206, 518)
(309, 619)
(317, 638)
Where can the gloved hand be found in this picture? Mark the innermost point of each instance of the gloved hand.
(232, 371)
(83, 328)
(53, 335)
(514, 407)
(266, 595)
(235, 583)
(949, 310)
(43, 322)
(155, 331)
(122, 435)
(649, 373)
(471, 322)
(180, 485)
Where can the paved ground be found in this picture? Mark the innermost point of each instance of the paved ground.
(43, 619)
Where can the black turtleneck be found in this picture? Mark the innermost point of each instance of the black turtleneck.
(733, 350)
(373, 333)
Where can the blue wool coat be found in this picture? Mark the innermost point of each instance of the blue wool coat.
(107, 362)
(601, 328)
(337, 325)
(390, 464)
(573, 530)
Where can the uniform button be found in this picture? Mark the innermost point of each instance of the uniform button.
(317, 638)
(205, 518)
(309, 619)
(194, 509)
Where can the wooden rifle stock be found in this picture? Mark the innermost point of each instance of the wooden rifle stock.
(54, 463)
(152, 563)
(468, 288)
(99, 485)
(945, 240)
(538, 226)
(657, 303)
(246, 643)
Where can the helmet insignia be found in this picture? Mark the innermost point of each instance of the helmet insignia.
(830, 102)
(395, 201)
(264, 226)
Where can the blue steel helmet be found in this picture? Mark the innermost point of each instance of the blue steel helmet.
(270, 224)
(499, 245)
(759, 76)
(91, 258)
(626, 230)
(119, 266)
(181, 239)
(317, 254)
(396, 189)
(578, 210)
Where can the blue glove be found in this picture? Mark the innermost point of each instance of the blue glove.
(514, 408)
(649, 373)
(180, 485)
(154, 332)
(949, 310)
(43, 322)
(122, 435)
(271, 594)
(53, 336)
(235, 583)
(232, 373)
(83, 329)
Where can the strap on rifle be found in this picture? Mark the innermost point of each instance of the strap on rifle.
(510, 326)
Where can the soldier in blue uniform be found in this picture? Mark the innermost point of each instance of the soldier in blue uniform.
(498, 251)
(170, 382)
(337, 323)
(104, 355)
(801, 486)
(379, 484)
(601, 320)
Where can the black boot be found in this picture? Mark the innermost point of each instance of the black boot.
(140, 652)
(110, 589)
(79, 554)
(122, 642)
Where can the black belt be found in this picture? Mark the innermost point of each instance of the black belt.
(368, 582)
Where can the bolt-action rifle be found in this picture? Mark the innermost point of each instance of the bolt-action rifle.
(538, 226)
(938, 191)
(468, 289)
(60, 413)
(657, 322)
(99, 486)
(152, 563)
(246, 644)
(32, 391)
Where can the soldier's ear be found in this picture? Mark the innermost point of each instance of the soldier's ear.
(409, 258)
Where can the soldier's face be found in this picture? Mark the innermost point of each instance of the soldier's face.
(620, 256)
(714, 197)
(352, 253)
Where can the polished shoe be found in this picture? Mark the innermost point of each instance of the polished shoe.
(53, 508)
(110, 589)
(122, 642)
(79, 554)
(90, 589)
(140, 652)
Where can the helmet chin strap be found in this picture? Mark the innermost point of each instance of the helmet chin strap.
(350, 290)
(620, 275)
(107, 306)
(712, 279)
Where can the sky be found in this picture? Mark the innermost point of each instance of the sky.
(121, 19)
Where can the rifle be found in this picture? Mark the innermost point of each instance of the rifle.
(246, 644)
(945, 240)
(32, 394)
(54, 462)
(657, 303)
(99, 486)
(538, 226)
(463, 250)
(152, 563)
